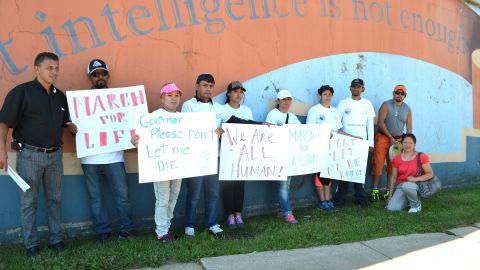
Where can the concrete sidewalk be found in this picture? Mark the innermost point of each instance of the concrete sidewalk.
(456, 249)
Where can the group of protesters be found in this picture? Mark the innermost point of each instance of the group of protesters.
(38, 112)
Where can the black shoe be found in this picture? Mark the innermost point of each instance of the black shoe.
(33, 252)
(363, 204)
(103, 237)
(59, 247)
(129, 234)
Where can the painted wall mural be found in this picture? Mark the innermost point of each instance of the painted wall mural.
(296, 44)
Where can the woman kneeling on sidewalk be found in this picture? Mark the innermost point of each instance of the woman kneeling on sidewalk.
(404, 177)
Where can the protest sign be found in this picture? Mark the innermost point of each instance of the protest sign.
(348, 159)
(176, 145)
(105, 118)
(307, 148)
(253, 152)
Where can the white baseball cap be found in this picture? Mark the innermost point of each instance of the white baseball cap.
(283, 93)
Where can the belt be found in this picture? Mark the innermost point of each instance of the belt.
(395, 137)
(41, 149)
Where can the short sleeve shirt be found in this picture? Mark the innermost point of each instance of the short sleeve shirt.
(407, 168)
(36, 117)
(321, 115)
(276, 117)
(194, 105)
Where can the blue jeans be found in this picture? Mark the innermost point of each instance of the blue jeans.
(211, 190)
(116, 177)
(283, 188)
(38, 168)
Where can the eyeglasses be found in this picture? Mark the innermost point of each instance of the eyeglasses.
(99, 73)
(401, 93)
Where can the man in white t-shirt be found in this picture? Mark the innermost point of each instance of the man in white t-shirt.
(107, 167)
(356, 114)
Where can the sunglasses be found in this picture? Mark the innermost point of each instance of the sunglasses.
(99, 73)
(401, 93)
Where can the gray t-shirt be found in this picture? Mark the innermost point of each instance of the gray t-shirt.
(396, 117)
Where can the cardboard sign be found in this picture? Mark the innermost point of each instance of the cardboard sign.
(254, 152)
(308, 148)
(176, 145)
(105, 118)
(348, 159)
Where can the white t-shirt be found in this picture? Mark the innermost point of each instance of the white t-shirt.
(242, 112)
(321, 115)
(106, 158)
(276, 117)
(357, 118)
(193, 105)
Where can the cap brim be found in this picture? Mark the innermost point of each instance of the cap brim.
(91, 71)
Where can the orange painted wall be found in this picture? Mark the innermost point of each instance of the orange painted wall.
(278, 33)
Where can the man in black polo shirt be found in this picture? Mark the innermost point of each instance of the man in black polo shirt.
(37, 112)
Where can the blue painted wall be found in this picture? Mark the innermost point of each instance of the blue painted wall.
(260, 198)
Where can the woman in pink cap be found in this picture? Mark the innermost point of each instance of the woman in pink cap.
(166, 192)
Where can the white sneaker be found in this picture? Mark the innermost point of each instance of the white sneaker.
(189, 231)
(216, 230)
(414, 210)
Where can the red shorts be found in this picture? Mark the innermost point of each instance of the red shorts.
(321, 182)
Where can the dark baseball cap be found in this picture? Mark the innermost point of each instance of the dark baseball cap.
(205, 77)
(235, 85)
(325, 88)
(96, 64)
(357, 81)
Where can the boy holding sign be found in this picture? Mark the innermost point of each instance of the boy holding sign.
(324, 113)
(166, 192)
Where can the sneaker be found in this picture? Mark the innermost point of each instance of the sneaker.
(324, 206)
(362, 203)
(290, 219)
(386, 194)
(216, 230)
(375, 195)
(58, 247)
(414, 210)
(126, 235)
(331, 205)
(189, 231)
(239, 221)
(33, 252)
(168, 237)
(231, 222)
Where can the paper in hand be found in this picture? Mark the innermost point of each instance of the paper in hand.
(20, 182)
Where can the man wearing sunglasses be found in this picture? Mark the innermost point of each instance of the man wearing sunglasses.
(107, 167)
(394, 115)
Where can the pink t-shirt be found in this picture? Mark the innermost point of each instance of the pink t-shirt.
(407, 168)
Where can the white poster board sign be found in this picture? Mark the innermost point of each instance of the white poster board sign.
(176, 145)
(253, 152)
(307, 148)
(348, 159)
(105, 118)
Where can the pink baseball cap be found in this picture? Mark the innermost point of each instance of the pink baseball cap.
(169, 87)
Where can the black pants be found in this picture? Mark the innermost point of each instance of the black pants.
(342, 190)
(232, 194)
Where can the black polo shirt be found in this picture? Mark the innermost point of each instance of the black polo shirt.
(37, 118)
